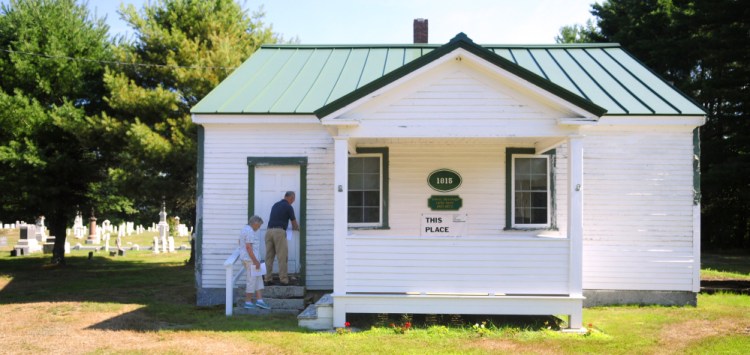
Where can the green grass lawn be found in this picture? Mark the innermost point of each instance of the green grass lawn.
(725, 266)
(149, 299)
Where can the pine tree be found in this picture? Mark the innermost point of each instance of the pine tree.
(48, 160)
(702, 48)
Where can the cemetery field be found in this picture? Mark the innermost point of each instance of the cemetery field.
(144, 303)
(143, 240)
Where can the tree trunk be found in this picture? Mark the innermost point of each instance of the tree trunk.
(57, 228)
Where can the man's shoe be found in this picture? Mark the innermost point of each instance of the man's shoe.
(261, 304)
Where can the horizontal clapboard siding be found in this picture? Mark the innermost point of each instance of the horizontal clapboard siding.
(456, 265)
(638, 211)
(457, 92)
(486, 260)
(225, 192)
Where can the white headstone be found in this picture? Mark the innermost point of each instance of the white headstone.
(41, 233)
(163, 226)
(170, 242)
(107, 226)
(156, 245)
(106, 240)
(78, 229)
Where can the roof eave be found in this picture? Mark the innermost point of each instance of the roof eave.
(464, 42)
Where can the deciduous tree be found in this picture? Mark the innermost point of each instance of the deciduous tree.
(180, 51)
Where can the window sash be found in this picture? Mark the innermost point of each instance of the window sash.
(526, 190)
(369, 192)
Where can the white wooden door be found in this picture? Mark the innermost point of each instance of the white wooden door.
(271, 182)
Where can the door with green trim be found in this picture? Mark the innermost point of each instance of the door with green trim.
(271, 182)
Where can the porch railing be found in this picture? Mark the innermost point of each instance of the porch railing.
(231, 280)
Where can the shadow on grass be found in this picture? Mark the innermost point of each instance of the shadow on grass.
(734, 263)
(166, 289)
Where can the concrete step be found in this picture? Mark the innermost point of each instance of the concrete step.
(285, 303)
(318, 316)
(284, 292)
(281, 299)
(279, 303)
(258, 311)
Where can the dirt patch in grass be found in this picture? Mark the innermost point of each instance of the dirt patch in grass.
(497, 345)
(70, 327)
(683, 335)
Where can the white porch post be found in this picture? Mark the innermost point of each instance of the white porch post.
(341, 177)
(575, 223)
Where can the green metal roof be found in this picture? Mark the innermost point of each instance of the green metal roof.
(304, 79)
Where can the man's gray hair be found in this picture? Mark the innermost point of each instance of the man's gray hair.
(255, 219)
(288, 194)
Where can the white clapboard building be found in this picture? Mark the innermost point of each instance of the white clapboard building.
(457, 178)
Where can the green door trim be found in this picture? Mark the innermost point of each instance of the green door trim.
(253, 162)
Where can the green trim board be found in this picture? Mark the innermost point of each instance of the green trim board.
(383, 151)
(509, 152)
(198, 243)
(252, 162)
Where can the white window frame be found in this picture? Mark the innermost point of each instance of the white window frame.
(379, 223)
(513, 193)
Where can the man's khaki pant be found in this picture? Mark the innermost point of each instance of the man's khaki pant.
(276, 246)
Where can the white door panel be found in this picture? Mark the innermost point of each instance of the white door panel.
(271, 182)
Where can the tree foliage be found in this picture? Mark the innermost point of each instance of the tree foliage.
(702, 48)
(78, 129)
(47, 159)
(187, 47)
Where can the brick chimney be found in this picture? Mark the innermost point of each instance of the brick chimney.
(420, 30)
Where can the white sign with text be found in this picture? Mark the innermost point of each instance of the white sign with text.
(443, 224)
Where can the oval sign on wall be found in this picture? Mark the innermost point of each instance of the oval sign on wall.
(444, 180)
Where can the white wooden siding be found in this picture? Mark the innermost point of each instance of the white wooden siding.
(225, 194)
(486, 260)
(462, 94)
(638, 210)
(456, 265)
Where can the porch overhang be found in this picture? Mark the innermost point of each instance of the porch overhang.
(350, 300)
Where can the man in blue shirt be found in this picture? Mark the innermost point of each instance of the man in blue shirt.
(276, 244)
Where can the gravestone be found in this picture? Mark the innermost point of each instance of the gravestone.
(156, 245)
(78, 230)
(93, 236)
(27, 242)
(170, 244)
(106, 226)
(40, 232)
(106, 240)
(163, 226)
